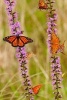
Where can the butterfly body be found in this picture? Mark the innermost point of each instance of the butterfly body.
(42, 4)
(55, 44)
(17, 41)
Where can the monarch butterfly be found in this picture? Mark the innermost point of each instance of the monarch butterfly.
(42, 4)
(36, 89)
(17, 41)
(55, 44)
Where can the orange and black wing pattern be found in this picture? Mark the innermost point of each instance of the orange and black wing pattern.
(10, 39)
(55, 43)
(42, 4)
(18, 41)
(36, 89)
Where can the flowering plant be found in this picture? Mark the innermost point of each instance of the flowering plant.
(20, 50)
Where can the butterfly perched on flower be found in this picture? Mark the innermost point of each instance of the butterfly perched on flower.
(17, 41)
(42, 4)
(36, 88)
(55, 44)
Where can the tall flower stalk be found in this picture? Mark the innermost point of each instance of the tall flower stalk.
(20, 51)
(56, 73)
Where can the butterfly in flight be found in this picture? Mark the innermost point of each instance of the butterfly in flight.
(17, 41)
(36, 88)
(55, 44)
(42, 4)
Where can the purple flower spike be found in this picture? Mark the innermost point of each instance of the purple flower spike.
(56, 72)
(56, 75)
(21, 55)
(20, 51)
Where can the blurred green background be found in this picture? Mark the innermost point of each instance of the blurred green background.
(34, 24)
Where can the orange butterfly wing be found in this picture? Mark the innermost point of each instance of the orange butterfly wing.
(12, 40)
(25, 39)
(21, 41)
(9, 39)
(16, 41)
(42, 4)
(54, 38)
(36, 89)
(55, 43)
